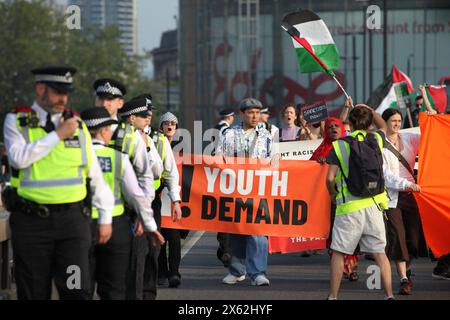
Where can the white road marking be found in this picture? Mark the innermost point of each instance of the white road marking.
(191, 241)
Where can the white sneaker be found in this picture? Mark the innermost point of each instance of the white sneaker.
(231, 279)
(260, 280)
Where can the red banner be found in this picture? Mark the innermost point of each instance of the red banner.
(295, 244)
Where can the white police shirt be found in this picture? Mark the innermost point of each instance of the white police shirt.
(132, 192)
(22, 155)
(141, 165)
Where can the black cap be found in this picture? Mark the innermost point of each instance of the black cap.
(250, 103)
(109, 88)
(226, 112)
(138, 107)
(56, 77)
(97, 117)
(146, 96)
(265, 110)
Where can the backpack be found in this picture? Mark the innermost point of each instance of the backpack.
(365, 166)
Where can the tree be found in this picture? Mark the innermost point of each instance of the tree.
(33, 34)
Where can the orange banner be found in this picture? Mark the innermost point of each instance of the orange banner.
(434, 180)
(257, 198)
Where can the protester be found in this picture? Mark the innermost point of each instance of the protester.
(289, 131)
(359, 219)
(442, 269)
(249, 253)
(169, 264)
(334, 130)
(405, 238)
(418, 102)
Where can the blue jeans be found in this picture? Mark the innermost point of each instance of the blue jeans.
(248, 255)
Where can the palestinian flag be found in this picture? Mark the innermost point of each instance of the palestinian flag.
(385, 95)
(314, 46)
(437, 95)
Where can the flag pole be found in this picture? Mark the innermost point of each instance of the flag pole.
(295, 34)
(340, 86)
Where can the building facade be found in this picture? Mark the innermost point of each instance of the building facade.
(119, 13)
(232, 49)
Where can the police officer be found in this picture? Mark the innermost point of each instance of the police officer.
(109, 94)
(265, 115)
(137, 112)
(226, 119)
(169, 178)
(109, 262)
(52, 160)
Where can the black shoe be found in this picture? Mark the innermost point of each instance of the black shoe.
(441, 274)
(405, 287)
(409, 274)
(353, 277)
(162, 281)
(174, 281)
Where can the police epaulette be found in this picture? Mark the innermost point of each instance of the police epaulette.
(22, 109)
(32, 120)
(225, 130)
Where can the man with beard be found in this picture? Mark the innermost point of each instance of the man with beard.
(52, 161)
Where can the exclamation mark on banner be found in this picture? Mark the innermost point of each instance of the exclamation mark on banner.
(186, 182)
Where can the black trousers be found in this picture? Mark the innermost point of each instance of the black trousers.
(222, 238)
(109, 262)
(142, 276)
(173, 239)
(56, 247)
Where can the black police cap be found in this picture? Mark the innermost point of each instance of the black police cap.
(97, 117)
(226, 112)
(58, 77)
(138, 107)
(109, 88)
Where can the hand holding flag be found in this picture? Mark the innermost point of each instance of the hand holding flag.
(314, 46)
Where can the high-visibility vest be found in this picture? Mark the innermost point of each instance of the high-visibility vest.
(123, 139)
(59, 177)
(160, 142)
(111, 163)
(345, 201)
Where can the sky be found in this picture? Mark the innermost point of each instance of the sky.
(153, 18)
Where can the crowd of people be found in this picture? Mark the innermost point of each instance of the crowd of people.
(84, 192)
